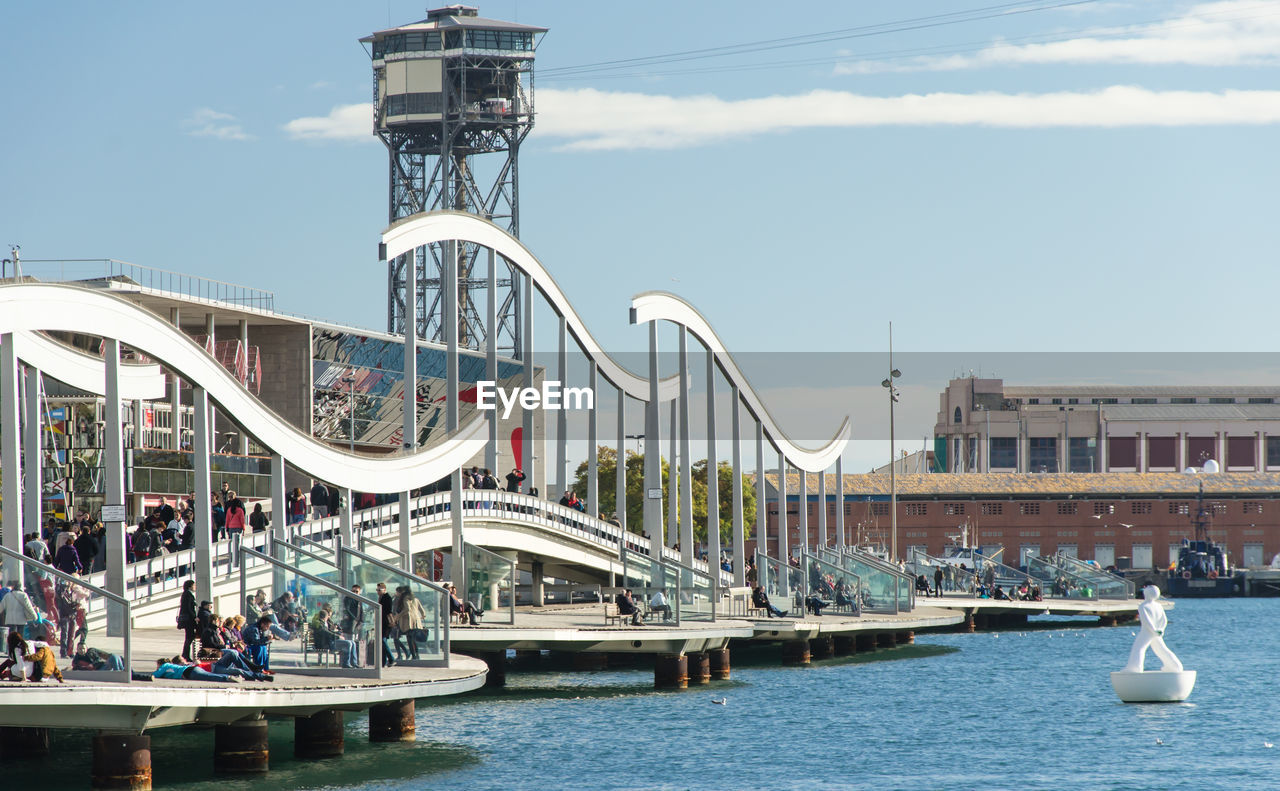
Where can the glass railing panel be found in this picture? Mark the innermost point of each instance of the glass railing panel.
(880, 588)
(782, 584)
(993, 575)
(416, 631)
(320, 628)
(490, 584)
(698, 595)
(83, 628)
(831, 587)
(954, 579)
(645, 576)
(1106, 584)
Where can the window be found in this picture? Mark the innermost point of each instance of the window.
(1030, 509)
(1252, 508)
(1218, 508)
(1067, 508)
(953, 509)
(958, 417)
(1182, 400)
(879, 509)
(1216, 400)
(1056, 401)
(1179, 508)
(1142, 401)
(917, 509)
(414, 103)
(1106, 401)
(1004, 452)
(1073, 400)
(1043, 454)
(1261, 400)
(1273, 451)
(992, 509)
(1033, 401)
(1139, 508)
(1104, 508)
(495, 39)
(1081, 453)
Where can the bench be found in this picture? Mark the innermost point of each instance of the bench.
(611, 614)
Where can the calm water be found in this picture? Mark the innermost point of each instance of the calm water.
(1004, 710)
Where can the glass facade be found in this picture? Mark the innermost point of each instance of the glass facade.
(1004, 452)
(1043, 455)
(377, 393)
(1081, 453)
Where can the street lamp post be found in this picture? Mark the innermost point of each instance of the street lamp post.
(888, 384)
(350, 381)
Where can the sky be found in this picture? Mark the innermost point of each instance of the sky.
(1001, 180)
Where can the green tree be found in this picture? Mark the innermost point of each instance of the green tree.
(607, 459)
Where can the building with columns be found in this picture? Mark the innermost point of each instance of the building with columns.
(986, 426)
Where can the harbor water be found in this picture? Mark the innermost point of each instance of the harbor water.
(1022, 709)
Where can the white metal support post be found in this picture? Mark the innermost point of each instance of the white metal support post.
(11, 439)
(713, 474)
(686, 463)
(652, 461)
(33, 459)
(113, 460)
(739, 525)
(457, 560)
(593, 453)
(204, 487)
(562, 415)
(491, 359)
(620, 465)
(840, 538)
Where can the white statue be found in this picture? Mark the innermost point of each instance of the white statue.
(1154, 621)
(1171, 683)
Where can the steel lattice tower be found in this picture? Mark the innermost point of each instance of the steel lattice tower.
(446, 90)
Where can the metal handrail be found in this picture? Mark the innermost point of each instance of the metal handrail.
(161, 280)
(509, 563)
(108, 675)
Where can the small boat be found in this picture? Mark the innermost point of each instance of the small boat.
(1204, 568)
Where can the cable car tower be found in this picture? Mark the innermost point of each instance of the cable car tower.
(446, 90)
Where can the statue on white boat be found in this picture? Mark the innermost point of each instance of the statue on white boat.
(1170, 683)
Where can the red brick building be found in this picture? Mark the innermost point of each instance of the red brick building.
(1107, 517)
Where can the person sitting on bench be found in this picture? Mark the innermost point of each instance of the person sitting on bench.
(760, 599)
(658, 603)
(627, 606)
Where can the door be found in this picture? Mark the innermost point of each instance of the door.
(1142, 556)
(1253, 556)
(1069, 550)
(1104, 554)
(1027, 551)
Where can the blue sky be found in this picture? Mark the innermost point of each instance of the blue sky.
(1088, 177)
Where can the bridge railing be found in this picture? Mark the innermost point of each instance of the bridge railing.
(646, 575)
(491, 578)
(420, 633)
(954, 578)
(882, 588)
(840, 588)
(74, 617)
(782, 583)
(355, 618)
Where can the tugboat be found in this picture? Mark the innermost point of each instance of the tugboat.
(1203, 568)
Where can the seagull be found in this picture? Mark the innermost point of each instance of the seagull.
(1097, 516)
(1159, 740)
(1268, 745)
(720, 702)
(1122, 524)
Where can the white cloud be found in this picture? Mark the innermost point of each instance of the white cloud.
(589, 119)
(206, 122)
(1231, 33)
(344, 122)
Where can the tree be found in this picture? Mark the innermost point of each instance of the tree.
(607, 459)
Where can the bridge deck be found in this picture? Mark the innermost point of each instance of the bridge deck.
(165, 702)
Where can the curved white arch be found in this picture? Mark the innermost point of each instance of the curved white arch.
(41, 306)
(85, 372)
(662, 306)
(423, 229)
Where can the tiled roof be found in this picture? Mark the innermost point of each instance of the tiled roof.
(998, 485)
